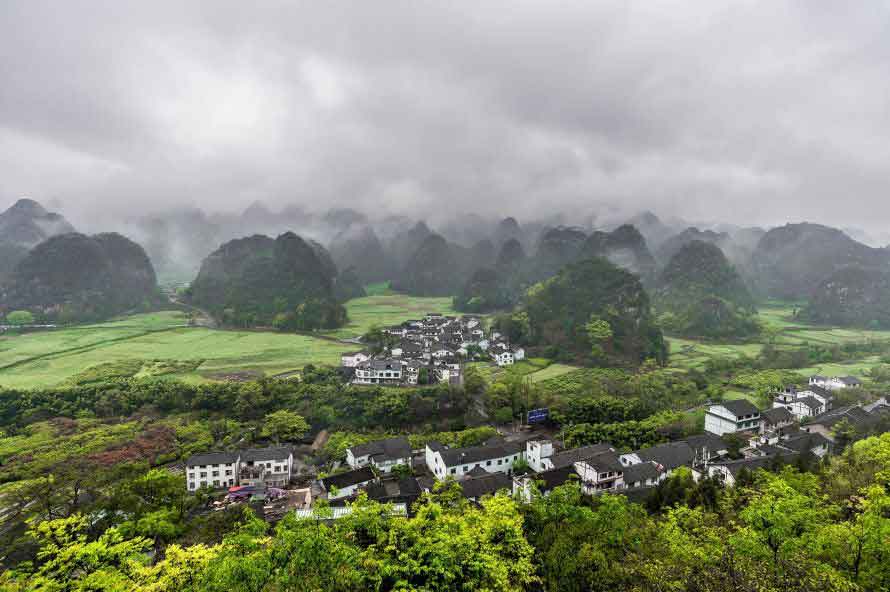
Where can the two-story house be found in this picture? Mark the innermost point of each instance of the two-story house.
(447, 462)
(387, 371)
(381, 454)
(732, 416)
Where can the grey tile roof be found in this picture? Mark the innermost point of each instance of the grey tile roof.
(388, 449)
(640, 472)
(604, 461)
(211, 458)
(700, 442)
(553, 478)
(473, 454)
(741, 407)
(349, 478)
(489, 484)
(811, 402)
(255, 454)
(777, 415)
(670, 455)
(570, 457)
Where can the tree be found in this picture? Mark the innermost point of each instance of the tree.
(285, 425)
(599, 331)
(19, 318)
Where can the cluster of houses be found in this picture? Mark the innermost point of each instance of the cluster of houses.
(434, 347)
(800, 422)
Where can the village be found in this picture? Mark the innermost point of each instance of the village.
(429, 350)
(799, 426)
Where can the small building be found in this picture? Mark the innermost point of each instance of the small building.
(213, 469)
(476, 487)
(386, 371)
(381, 454)
(644, 474)
(600, 472)
(824, 424)
(458, 462)
(730, 417)
(268, 467)
(775, 418)
(347, 484)
(276, 464)
(667, 457)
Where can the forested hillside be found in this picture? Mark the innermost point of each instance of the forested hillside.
(592, 310)
(74, 277)
(286, 282)
(700, 294)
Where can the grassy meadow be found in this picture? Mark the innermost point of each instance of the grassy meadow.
(49, 358)
(167, 346)
(387, 308)
(777, 318)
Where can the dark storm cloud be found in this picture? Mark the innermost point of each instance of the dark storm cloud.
(738, 111)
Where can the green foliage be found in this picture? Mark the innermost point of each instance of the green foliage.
(700, 294)
(287, 281)
(20, 317)
(559, 309)
(285, 425)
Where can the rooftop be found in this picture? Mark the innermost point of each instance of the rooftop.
(740, 407)
(390, 448)
(341, 480)
(211, 458)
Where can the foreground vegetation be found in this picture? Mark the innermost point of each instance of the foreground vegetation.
(825, 529)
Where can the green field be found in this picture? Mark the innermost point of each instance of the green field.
(777, 317)
(48, 358)
(387, 309)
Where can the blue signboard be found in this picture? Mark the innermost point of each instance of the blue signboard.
(538, 415)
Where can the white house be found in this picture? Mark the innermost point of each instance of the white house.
(458, 462)
(346, 484)
(214, 469)
(808, 403)
(273, 465)
(732, 416)
(388, 371)
(269, 466)
(600, 472)
(381, 454)
(835, 382)
(518, 353)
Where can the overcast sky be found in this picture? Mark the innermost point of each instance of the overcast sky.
(750, 111)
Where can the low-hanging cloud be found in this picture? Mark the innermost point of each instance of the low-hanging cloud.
(747, 112)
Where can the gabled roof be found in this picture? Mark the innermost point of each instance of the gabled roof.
(212, 458)
(406, 487)
(752, 464)
(740, 407)
(473, 454)
(811, 402)
(669, 456)
(711, 442)
(568, 458)
(553, 478)
(388, 449)
(777, 415)
(348, 479)
(479, 486)
(604, 461)
(256, 454)
(804, 442)
(850, 380)
(641, 472)
(853, 413)
(821, 391)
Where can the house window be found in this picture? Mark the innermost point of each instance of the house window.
(204, 475)
(216, 473)
(465, 468)
(488, 463)
(499, 462)
(453, 471)
(228, 472)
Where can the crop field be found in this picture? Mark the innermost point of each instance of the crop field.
(52, 357)
(777, 318)
(387, 309)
